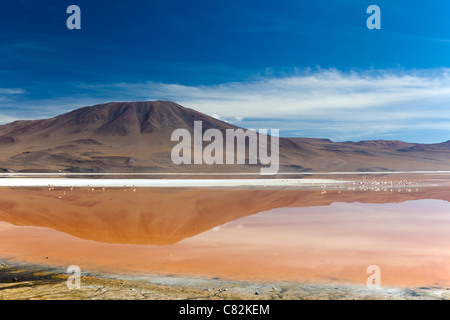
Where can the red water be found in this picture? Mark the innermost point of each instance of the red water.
(215, 233)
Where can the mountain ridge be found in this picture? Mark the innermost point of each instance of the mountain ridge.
(136, 137)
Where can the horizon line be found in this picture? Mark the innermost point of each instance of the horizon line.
(18, 174)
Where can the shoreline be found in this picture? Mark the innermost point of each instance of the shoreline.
(294, 173)
(161, 183)
(25, 281)
(342, 180)
(349, 183)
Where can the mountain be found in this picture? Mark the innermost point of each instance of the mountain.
(136, 137)
(103, 138)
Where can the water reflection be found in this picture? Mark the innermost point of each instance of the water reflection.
(281, 234)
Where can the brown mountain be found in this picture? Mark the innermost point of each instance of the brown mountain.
(112, 137)
(135, 137)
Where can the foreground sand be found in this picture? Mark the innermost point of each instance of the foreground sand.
(33, 282)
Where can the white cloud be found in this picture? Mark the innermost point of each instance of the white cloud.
(322, 103)
(216, 116)
(326, 93)
(340, 105)
(8, 91)
(6, 119)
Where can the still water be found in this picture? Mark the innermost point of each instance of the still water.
(280, 234)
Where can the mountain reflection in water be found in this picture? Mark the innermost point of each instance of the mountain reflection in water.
(278, 234)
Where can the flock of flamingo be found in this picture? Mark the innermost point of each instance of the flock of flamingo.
(364, 184)
(375, 185)
(89, 188)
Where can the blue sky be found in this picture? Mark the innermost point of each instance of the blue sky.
(308, 68)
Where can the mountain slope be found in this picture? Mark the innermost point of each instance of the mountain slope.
(136, 137)
(108, 137)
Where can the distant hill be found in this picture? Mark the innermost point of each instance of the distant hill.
(136, 137)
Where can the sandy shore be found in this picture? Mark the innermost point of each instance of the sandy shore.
(20, 281)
